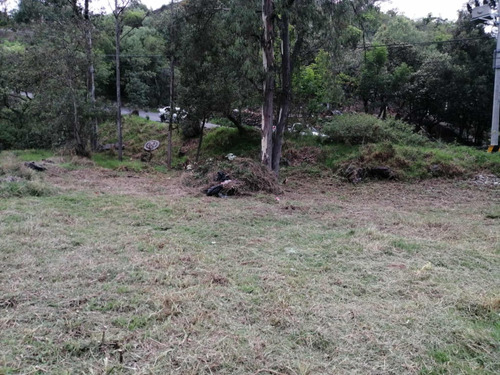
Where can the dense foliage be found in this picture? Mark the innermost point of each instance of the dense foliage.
(344, 55)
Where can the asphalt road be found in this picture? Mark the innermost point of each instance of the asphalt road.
(155, 116)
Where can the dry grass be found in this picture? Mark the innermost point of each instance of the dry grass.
(135, 273)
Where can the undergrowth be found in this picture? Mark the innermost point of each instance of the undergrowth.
(354, 141)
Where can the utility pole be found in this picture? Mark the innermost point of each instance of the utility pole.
(496, 97)
(486, 13)
(117, 14)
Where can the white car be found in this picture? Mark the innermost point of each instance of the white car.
(165, 114)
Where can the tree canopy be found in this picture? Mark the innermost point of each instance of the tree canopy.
(326, 56)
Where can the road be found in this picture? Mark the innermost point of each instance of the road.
(155, 116)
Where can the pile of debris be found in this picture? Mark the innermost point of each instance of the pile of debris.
(226, 186)
(35, 166)
(240, 176)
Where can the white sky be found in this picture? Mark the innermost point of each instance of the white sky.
(411, 8)
(421, 8)
(106, 4)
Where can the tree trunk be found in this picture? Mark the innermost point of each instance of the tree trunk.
(198, 151)
(236, 122)
(268, 62)
(80, 148)
(171, 117)
(286, 93)
(382, 114)
(118, 86)
(91, 74)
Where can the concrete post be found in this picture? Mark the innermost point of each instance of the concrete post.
(496, 99)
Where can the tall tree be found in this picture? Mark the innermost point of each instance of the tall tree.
(268, 85)
(118, 14)
(65, 69)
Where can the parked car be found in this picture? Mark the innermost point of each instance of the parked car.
(178, 114)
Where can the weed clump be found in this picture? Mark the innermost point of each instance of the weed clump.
(251, 176)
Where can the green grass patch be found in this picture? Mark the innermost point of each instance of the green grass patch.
(136, 132)
(221, 121)
(339, 153)
(33, 155)
(110, 162)
(25, 189)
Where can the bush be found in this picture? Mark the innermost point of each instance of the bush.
(223, 140)
(357, 129)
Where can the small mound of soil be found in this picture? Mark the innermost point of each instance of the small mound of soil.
(248, 176)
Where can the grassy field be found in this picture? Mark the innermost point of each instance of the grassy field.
(110, 272)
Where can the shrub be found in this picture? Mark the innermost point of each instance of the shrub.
(356, 129)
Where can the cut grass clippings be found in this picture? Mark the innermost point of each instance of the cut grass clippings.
(135, 275)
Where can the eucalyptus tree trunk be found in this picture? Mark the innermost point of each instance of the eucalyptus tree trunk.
(285, 95)
(91, 73)
(118, 86)
(268, 61)
(80, 147)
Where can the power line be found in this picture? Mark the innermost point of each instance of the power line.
(406, 45)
